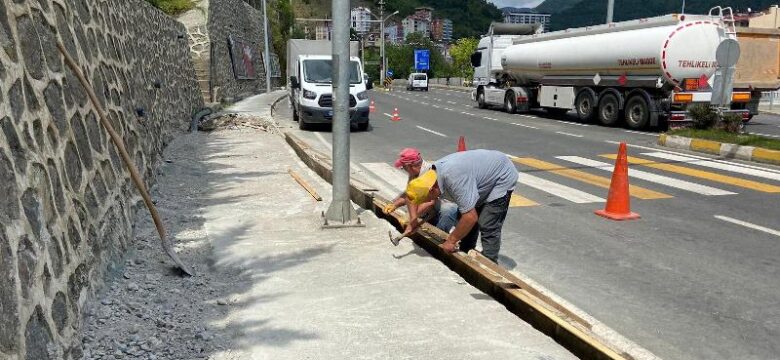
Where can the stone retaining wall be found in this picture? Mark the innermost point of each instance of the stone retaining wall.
(67, 202)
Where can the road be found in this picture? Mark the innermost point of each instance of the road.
(697, 277)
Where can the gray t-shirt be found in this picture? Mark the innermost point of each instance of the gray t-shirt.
(473, 178)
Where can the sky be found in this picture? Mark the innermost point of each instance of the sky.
(516, 3)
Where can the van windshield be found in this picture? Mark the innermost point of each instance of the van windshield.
(321, 71)
(421, 77)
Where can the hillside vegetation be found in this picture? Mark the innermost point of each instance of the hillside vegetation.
(577, 13)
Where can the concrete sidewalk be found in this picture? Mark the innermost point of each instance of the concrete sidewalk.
(332, 294)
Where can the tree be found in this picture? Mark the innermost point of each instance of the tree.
(461, 57)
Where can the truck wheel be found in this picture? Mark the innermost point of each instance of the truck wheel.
(637, 112)
(481, 99)
(302, 124)
(585, 106)
(609, 110)
(295, 114)
(509, 103)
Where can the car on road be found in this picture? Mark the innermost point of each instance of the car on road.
(417, 81)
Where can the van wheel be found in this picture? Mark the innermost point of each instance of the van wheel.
(637, 112)
(609, 110)
(362, 126)
(303, 125)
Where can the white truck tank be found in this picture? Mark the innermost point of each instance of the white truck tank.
(674, 46)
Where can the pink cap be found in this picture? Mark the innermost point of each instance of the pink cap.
(408, 156)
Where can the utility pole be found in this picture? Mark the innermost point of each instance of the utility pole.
(267, 56)
(382, 39)
(340, 212)
(610, 10)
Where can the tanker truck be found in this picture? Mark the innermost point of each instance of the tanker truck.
(645, 72)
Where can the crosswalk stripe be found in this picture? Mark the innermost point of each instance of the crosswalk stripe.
(753, 185)
(715, 165)
(520, 201)
(663, 180)
(635, 191)
(561, 191)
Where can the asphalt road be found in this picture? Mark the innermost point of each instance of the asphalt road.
(697, 277)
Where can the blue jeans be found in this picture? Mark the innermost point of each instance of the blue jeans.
(446, 216)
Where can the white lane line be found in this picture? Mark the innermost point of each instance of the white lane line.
(640, 132)
(424, 103)
(571, 123)
(659, 179)
(451, 102)
(448, 109)
(568, 134)
(431, 131)
(562, 191)
(386, 114)
(716, 165)
(465, 113)
(766, 135)
(748, 225)
(528, 116)
(489, 118)
(436, 106)
(389, 174)
(696, 157)
(525, 126)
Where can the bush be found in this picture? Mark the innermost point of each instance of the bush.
(731, 122)
(704, 116)
(173, 7)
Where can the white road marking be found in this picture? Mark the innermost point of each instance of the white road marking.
(386, 114)
(696, 157)
(436, 106)
(562, 191)
(568, 134)
(571, 123)
(526, 126)
(465, 113)
(528, 116)
(748, 225)
(640, 132)
(663, 180)
(424, 103)
(765, 135)
(431, 131)
(389, 174)
(716, 165)
(489, 118)
(451, 102)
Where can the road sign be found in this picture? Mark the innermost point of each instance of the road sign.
(390, 72)
(422, 59)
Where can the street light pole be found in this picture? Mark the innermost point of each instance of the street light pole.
(382, 39)
(610, 10)
(340, 212)
(267, 56)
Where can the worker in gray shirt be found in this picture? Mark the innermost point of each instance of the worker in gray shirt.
(480, 183)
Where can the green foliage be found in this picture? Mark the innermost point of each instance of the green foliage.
(173, 7)
(704, 116)
(731, 123)
(470, 18)
(282, 20)
(461, 57)
(400, 58)
(577, 13)
(731, 138)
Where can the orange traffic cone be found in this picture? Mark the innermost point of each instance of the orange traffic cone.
(395, 117)
(462, 144)
(618, 201)
(371, 107)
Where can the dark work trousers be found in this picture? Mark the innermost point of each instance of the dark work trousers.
(491, 219)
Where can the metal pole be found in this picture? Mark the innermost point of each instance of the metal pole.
(267, 56)
(382, 44)
(341, 213)
(610, 10)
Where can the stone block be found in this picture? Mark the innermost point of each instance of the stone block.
(27, 257)
(53, 97)
(38, 336)
(16, 100)
(12, 140)
(32, 54)
(59, 312)
(77, 281)
(9, 202)
(9, 305)
(73, 167)
(30, 97)
(82, 142)
(6, 36)
(31, 203)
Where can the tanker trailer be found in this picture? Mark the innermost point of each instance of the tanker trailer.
(646, 71)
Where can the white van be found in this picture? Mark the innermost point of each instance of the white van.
(418, 81)
(311, 91)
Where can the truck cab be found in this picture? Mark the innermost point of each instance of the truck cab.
(311, 91)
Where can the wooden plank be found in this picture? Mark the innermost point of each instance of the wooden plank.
(305, 185)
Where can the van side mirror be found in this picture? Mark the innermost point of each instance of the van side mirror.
(476, 59)
(294, 82)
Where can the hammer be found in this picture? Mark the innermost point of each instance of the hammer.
(397, 239)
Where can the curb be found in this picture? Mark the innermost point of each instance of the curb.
(273, 105)
(747, 153)
(578, 332)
